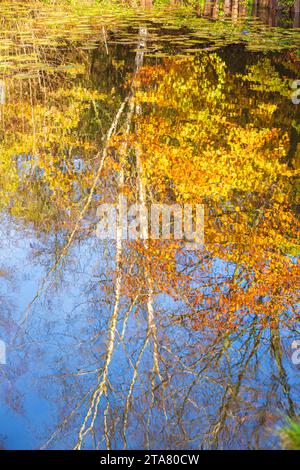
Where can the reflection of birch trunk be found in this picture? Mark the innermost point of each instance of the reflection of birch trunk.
(144, 224)
(102, 385)
(149, 280)
(243, 9)
(101, 388)
(105, 39)
(147, 4)
(139, 59)
(90, 417)
(2, 101)
(296, 22)
(152, 328)
(119, 236)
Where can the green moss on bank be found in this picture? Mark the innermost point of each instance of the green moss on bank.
(290, 435)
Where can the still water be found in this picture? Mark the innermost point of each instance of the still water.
(143, 343)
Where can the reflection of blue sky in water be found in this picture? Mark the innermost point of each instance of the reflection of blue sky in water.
(66, 334)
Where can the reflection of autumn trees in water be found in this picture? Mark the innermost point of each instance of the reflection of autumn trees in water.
(201, 148)
(185, 347)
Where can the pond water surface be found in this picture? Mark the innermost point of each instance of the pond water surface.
(144, 343)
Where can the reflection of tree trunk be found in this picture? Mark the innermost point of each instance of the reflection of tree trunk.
(146, 4)
(296, 22)
(232, 390)
(152, 328)
(144, 231)
(139, 58)
(102, 155)
(255, 7)
(215, 9)
(243, 8)
(207, 8)
(235, 10)
(101, 388)
(226, 7)
(273, 17)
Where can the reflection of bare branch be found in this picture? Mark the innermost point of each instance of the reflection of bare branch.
(231, 392)
(276, 349)
(134, 377)
(66, 247)
(66, 420)
(106, 429)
